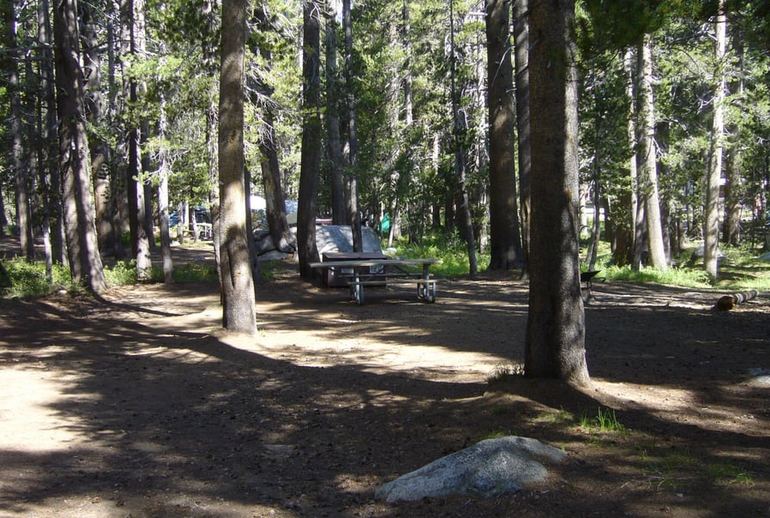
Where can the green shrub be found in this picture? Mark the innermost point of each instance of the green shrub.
(28, 279)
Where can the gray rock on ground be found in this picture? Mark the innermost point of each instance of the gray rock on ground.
(488, 468)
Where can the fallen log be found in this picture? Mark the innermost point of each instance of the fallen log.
(728, 302)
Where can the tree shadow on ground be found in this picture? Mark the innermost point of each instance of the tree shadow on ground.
(168, 422)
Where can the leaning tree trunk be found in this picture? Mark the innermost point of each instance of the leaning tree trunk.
(555, 346)
(239, 308)
(74, 157)
(711, 215)
(353, 202)
(311, 138)
(521, 55)
(646, 159)
(505, 239)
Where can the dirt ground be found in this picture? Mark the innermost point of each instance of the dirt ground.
(138, 405)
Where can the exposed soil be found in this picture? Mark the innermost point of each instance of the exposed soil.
(138, 405)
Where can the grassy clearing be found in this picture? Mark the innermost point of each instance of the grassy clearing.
(739, 270)
(450, 251)
(28, 279)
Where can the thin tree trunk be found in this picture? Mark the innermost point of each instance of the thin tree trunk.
(521, 56)
(49, 172)
(459, 142)
(734, 189)
(239, 308)
(271, 174)
(353, 211)
(596, 224)
(92, 57)
(711, 213)
(646, 159)
(311, 138)
(164, 170)
(637, 208)
(20, 165)
(333, 140)
(505, 239)
(555, 346)
(74, 157)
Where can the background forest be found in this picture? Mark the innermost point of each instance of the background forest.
(673, 104)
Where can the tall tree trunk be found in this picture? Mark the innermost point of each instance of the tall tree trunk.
(140, 241)
(353, 210)
(505, 239)
(74, 157)
(646, 159)
(311, 137)
(271, 174)
(92, 58)
(333, 140)
(734, 189)
(20, 165)
(239, 308)
(164, 170)
(555, 346)
(521, 56)
(711, 215)
(637, 209)
(118, 197)
(48, 170)
(459, 127)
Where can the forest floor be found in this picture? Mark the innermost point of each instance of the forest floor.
(138, 405)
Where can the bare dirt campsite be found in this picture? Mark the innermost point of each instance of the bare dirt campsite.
(138, 405)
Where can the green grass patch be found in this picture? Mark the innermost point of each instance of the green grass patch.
(605, 421)
(560, 417)
(686, 277)
(449, 250)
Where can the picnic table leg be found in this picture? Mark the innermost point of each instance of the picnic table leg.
(357, 289)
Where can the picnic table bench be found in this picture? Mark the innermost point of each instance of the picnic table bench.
(360, 273)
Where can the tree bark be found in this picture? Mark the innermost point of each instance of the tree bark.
(20, 163)
(311, 138)
(711, 212)
(74, 156)
(333, 140)
(140, 242)
(353, 209)
(521, 56)
(271, 174)
(555, 346)
(646, 159)
(164, 170)
(459, 127)
(505, 239)
(239, 308)
(92, 57)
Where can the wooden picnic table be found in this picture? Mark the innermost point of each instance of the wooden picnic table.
(381, 272)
